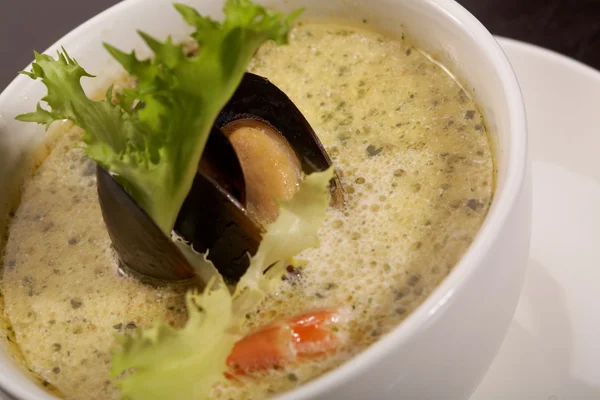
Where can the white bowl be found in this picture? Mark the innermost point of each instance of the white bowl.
(444, 348)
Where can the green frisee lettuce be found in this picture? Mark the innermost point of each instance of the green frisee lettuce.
(166, 363)
(152, 141)
(154, 138)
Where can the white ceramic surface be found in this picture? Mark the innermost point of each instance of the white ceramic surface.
(552, 349)
(444, 348)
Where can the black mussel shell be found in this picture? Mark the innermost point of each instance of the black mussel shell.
(143, 249)
(211, 219)
(213, 216)
(257, 98)
(215, 219)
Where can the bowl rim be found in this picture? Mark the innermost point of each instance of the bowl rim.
(442, 296)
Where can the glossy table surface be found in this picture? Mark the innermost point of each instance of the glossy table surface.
(571, 27)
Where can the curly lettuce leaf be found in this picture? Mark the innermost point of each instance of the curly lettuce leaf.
(166, 363)
(294, 230)
(179, 364)
(205, 269)
(153, 139)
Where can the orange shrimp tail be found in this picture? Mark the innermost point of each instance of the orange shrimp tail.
(280, 343)
(312, 336)
(261, 350)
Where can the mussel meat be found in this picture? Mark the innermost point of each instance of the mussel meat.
(258, 150)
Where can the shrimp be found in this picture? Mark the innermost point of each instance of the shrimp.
(305, 336)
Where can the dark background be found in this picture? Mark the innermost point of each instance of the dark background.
(571, 27)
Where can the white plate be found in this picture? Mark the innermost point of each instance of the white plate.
(552, 350)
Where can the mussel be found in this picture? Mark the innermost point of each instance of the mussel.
(259, 148)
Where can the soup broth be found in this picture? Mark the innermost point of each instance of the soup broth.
(413, 155)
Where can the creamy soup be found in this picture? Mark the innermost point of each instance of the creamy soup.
(413, 155)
